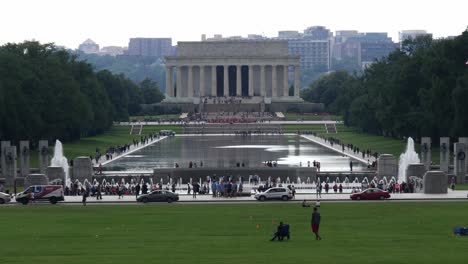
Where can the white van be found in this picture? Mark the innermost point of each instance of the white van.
(51, 193)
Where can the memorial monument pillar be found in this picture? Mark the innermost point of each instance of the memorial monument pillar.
(274, 80)
(459, 162)
(296, 80)
(3, 146)
(10, 165)
(464, 140)
(24, 158)
(213, 80)
(262, 81)
(251, 89)
(238, 80)
(190, 81)
(43, 156)
(285, 81)
(169, 87)
(444, 154)
(226, 81)
(202, 80)
(426, 152)
(179, 82)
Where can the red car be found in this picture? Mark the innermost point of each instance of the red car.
(371, 194)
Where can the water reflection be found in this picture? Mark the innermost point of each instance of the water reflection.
(228, 151)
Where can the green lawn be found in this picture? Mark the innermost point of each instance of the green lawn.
(181, 233)
(461, 186)
(293, 128)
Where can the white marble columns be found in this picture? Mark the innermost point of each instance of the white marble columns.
(226, 80)
(296, 81)
(238, 80)
(272, 80)
(213, 80)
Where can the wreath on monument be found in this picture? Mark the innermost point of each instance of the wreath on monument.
(25, 151)
(425, 148)
(9, 157)
(444, 147)
(44, 150)
(461, 155)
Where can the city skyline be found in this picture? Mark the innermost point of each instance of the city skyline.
(113, 23)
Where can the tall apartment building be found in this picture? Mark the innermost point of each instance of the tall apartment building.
(365, 48)
(154, 47)
(313, 46)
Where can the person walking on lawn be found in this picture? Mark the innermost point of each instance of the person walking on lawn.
(315, 223)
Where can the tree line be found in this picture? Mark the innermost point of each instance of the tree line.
(47, 93)
(419, 90)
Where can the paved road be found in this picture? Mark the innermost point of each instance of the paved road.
(460, 196)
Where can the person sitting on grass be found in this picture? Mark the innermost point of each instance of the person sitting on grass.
(282, 231)
(305, 204)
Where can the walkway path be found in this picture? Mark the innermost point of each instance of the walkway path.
(132, 149)
(339, 149)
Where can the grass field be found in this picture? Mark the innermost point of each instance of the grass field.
(352, 233)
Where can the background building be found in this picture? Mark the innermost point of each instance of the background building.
(89, 46)
(412, 34)
(153, 47)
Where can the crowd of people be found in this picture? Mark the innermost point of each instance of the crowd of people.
(222, 100)
(232, 117)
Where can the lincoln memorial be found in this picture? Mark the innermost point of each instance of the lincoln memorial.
(260, 72)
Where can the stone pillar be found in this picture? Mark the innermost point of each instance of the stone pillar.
(296, 80)
(415, 169)
(190, 81)
(238, 80)
(274, 80)
(459, 162)
(285, 81)
(82, 169)
(169, 87)
(464, 140)
(43, 156)
(426, 152)
(387, 166)
(24, 154)
(35, 179)
(262, 81)
(10, 165)
(3, 146)
(251, 89)
(226, 81)
(54, 173)
(202, 80)
(179, 81)
(435, 182)
(213, 80)
(444, 154)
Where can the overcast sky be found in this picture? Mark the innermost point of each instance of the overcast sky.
(113, 22)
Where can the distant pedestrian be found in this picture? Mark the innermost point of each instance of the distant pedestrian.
(351, 165)
(315, 223)
(85, 195)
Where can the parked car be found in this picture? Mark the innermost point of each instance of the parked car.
(4, 198)
(371, 194)
(158, 196)
(276, 193)
(51, 193)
